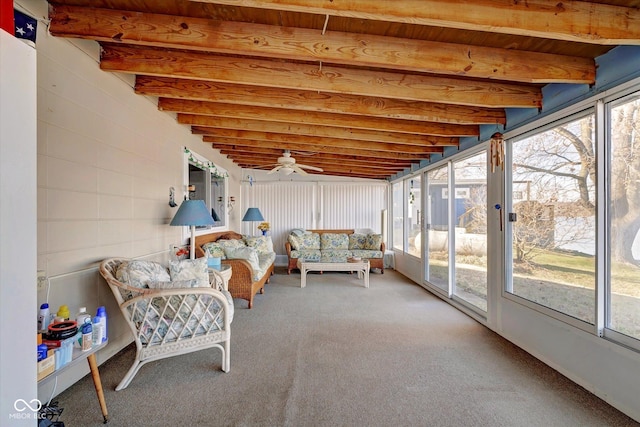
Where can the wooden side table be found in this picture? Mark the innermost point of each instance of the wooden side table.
(77, 357)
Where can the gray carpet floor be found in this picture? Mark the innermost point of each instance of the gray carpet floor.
(337, 354)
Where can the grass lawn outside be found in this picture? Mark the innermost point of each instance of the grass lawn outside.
(562, 281)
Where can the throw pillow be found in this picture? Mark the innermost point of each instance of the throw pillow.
(262, 244)
(245, 252)
(193, 283)
(138, 273)
(190, 269)
(374, 241)
(357, 241)
(213, 250)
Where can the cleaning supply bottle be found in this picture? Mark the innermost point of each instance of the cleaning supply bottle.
(44, 318)
(87, 335)
(97, 331)
(82, 317)
(102, 314)
(63, 312)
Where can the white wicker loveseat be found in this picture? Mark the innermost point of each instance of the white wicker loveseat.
(173, 320)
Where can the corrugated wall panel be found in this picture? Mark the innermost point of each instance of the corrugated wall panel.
(348, 205)
(285, 205)
(288, 205)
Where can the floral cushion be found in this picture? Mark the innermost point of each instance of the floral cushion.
(366, 254)
(263, 244)
(230, 243)
(336, 255)
(213, 250)
(357, 241)
(374, 241)
(334, 241)
(308, 255)
(247, 253)
(305, 242)
(139, 273)
(176, 284)
(190, 269)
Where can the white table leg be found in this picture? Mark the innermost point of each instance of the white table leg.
(366, 276)
(303, 276)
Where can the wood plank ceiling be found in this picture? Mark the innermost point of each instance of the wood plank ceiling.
(360, 88)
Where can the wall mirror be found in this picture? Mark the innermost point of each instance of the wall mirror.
(206, 181)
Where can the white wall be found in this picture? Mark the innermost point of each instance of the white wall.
(17, 228)
(106, 160)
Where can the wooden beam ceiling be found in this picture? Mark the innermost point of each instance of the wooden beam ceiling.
(567, 20)
(268, 41)
(315, 118)
(377, 89)
(231, 93)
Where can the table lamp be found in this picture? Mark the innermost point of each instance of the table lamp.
(193, 213)
(252, 214)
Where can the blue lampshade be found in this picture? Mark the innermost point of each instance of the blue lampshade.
(193, 213)
(253, 214)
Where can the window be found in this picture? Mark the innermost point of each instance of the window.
(398, 216)
(552, 224)
(470, 237)
(437, 217)
(623, 293)
(414, 211)
(207, 182)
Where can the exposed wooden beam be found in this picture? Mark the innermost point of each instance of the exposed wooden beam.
(570, 20)
(305, 100)
(314, 130)
(262, 72)
(312, 158)
(231, 144)
(321, 163)
(182, 32)
(275, 153)
(344, 170)
(315, 118)
(294, 142)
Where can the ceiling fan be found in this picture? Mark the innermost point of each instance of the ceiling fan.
(287, 165)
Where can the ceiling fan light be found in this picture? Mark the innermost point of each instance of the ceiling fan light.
(286, 170)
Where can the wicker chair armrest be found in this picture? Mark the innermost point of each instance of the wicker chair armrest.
(382, 247)
(287, 247)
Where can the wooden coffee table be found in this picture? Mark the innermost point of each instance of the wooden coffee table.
(361, 267)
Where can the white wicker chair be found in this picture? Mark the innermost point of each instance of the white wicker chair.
(169, 322)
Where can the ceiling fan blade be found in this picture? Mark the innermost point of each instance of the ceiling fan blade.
(274, 170)
(313, 168)
(298, 169)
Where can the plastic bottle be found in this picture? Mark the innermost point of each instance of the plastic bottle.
(63, 312)
(97, 331)
(102, 314)
(42, 352)
(82, 317)
(44, 318)
(87, 336)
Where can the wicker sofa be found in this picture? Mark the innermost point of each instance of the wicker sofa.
(334, 246)
(249, 273)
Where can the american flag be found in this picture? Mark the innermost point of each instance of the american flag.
(26, 26)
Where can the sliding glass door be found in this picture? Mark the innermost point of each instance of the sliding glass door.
(437, 227)
(470, 237)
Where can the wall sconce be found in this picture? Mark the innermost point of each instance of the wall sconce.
(172, 200)
(230, 202)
